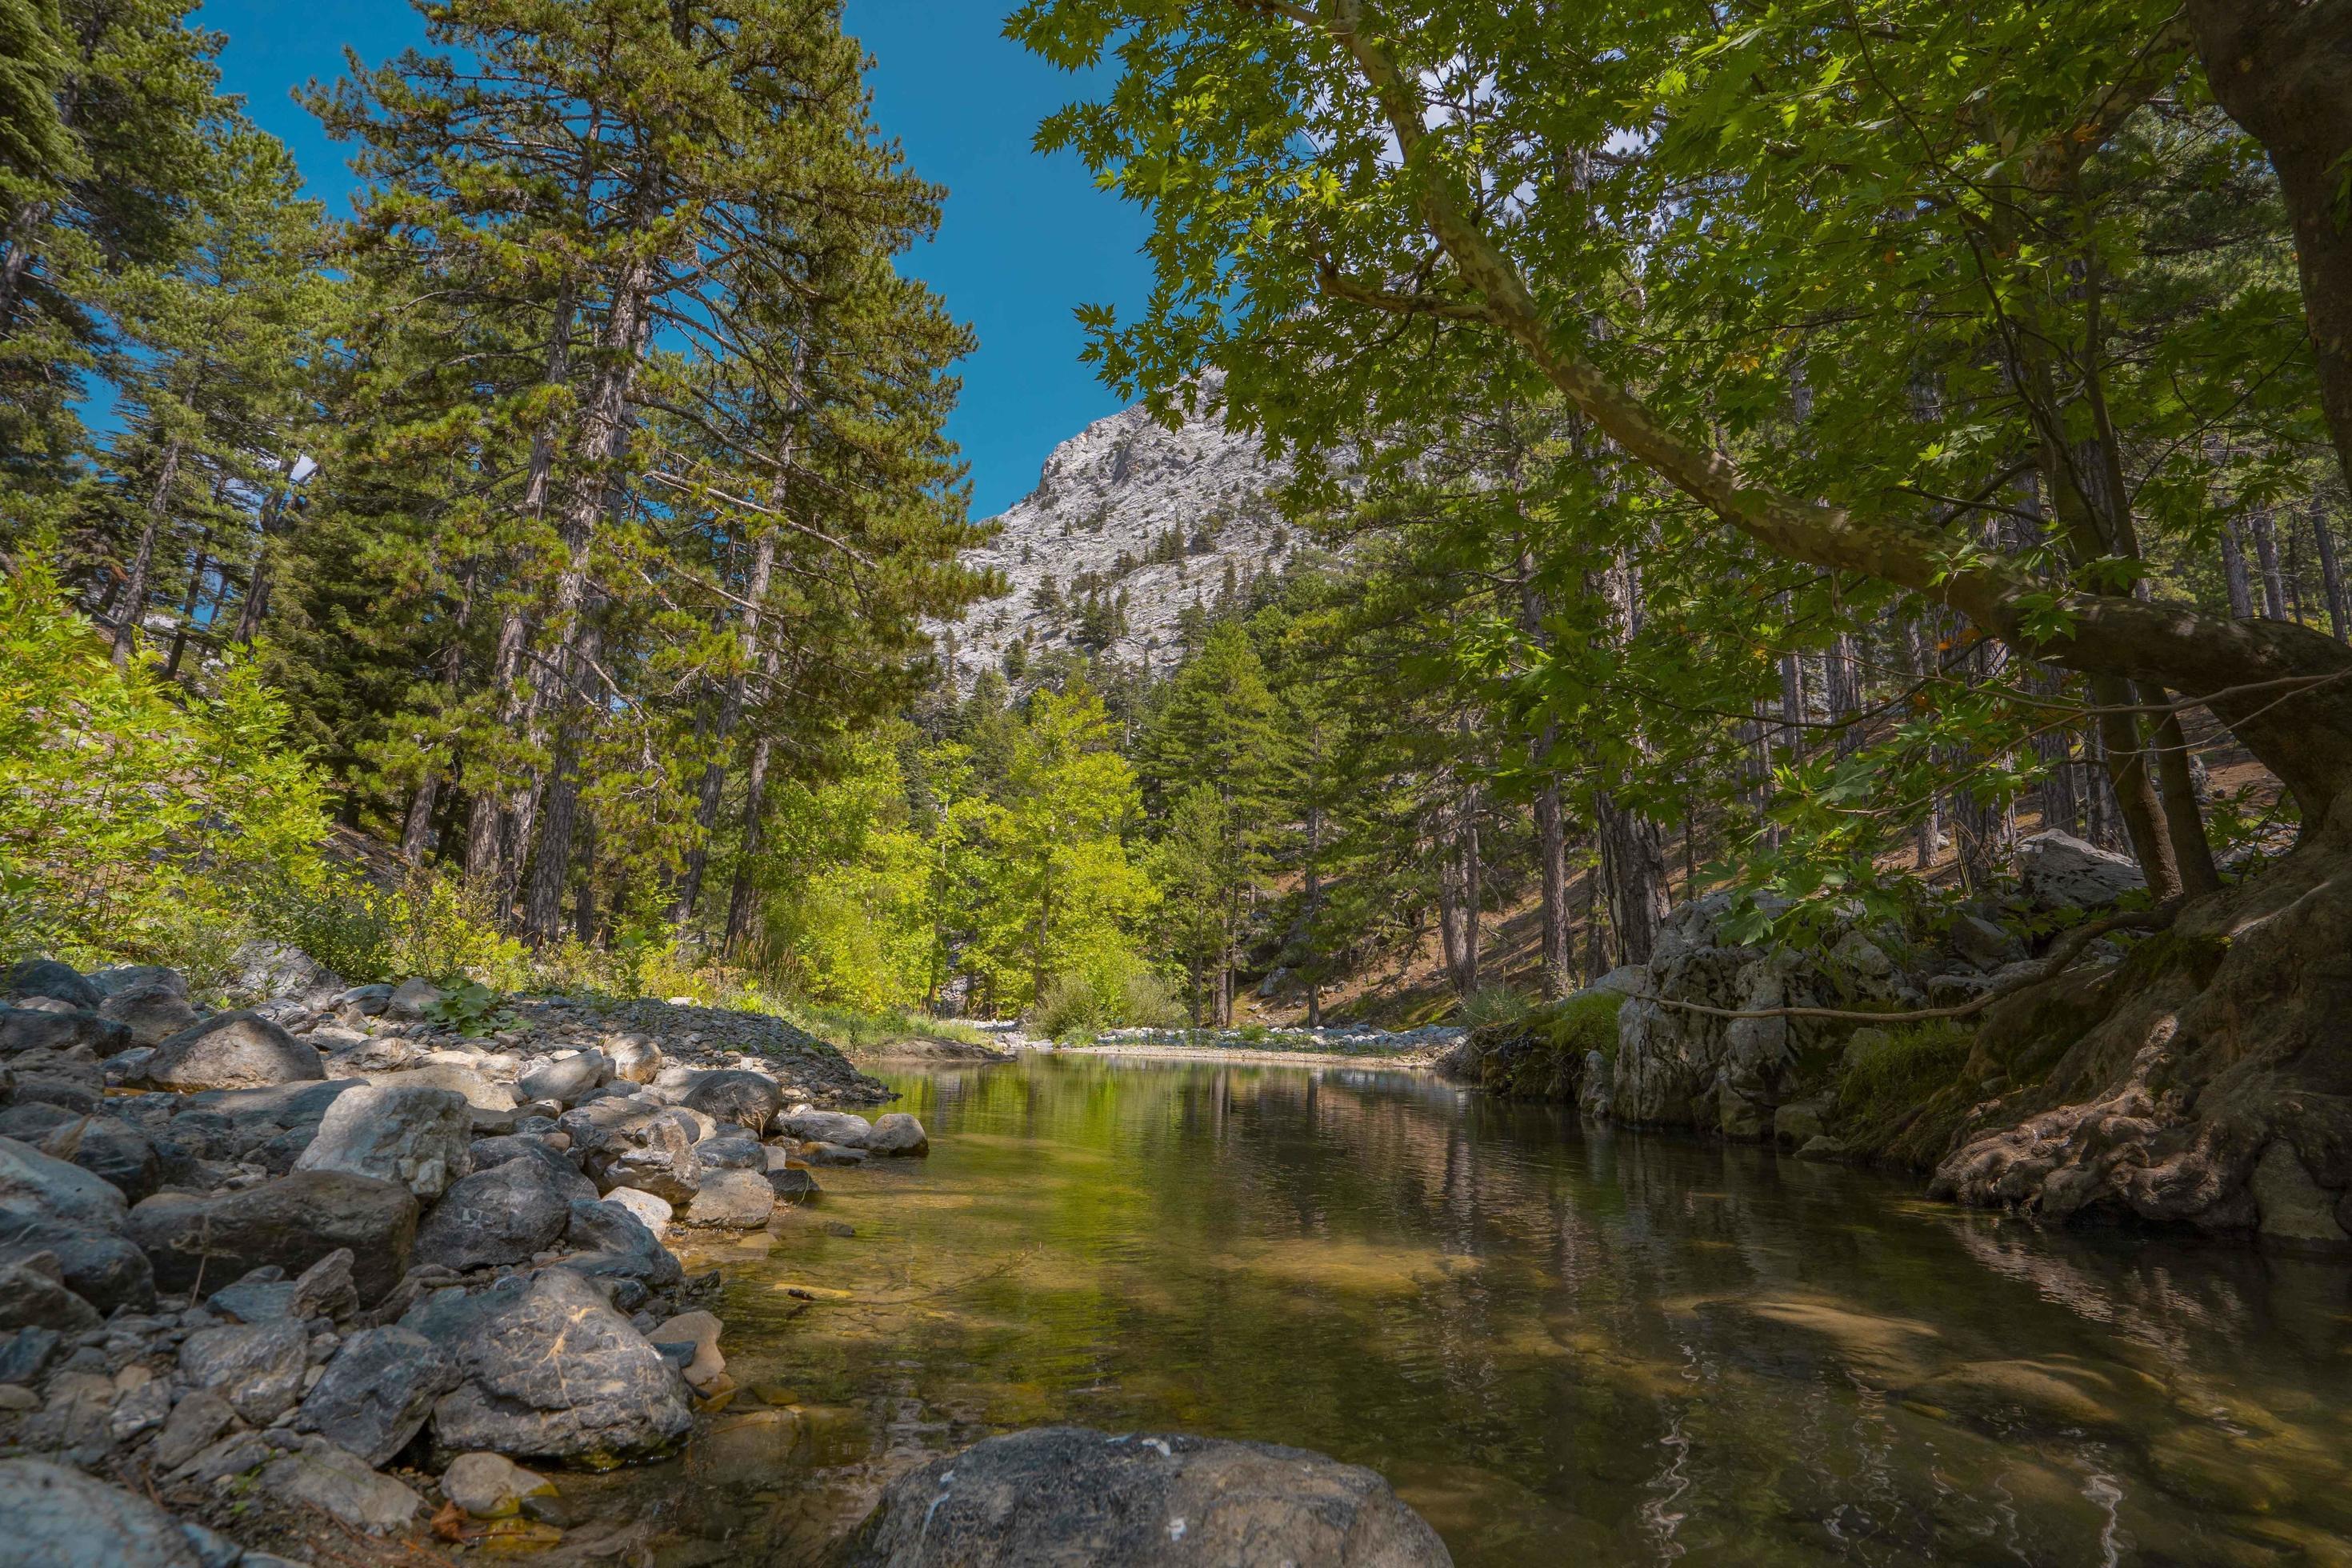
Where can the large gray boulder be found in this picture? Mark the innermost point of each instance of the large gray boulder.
(344, 1485)
(650, 1148)
(565, 1078)
(420, 1137)
(39, 1185)
(33, 1295)
(47, 977)
(748, 1099)
(1072, 1495)
(478, 1090)
(154, 1011)
(111, 1149)
(2057, 870)
(841, 1128)
(292, 1222)
(730, 1200)
(551, 1370)
(116, 979)
(898, 1134)
(235, 1051)
(378, 1392)
(257, 1367)
(24, 1030)
(52, 1517)
(612, 1241)
(505, 1214)
(103, 1268)
(267, 971)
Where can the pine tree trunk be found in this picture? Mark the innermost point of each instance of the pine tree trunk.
(188, 603)
(1473, 895)
(2133, 782)
(2184, 817)
(744, 896)
(1633, 878)
(731, 714)
(595, 493)
(2233, 573)
(1551, 863)
(17, 260)
(2266, 555)
(2331, 576)
(132, 598)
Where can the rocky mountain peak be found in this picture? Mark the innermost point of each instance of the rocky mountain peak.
(1131, 522)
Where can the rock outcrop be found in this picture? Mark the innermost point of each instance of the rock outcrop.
(1069, 1494)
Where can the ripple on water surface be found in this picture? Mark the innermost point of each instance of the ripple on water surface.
(1561, 1344)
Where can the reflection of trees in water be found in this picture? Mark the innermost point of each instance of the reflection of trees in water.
(1535, 1328)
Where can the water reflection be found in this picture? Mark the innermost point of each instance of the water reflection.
(1561, 1344)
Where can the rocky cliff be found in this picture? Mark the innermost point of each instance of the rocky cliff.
(1131, 522)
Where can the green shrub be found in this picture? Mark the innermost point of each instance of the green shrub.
(1068, 1008)
(1895, 1094)
(1532, 1050)
(137, 814)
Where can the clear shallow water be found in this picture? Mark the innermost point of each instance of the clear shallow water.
(1561, 1344)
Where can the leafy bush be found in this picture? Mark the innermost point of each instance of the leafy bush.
(136, 815)
(1067, 1008)
(471, 1007)
(1536, 1051)
(1898, 1088)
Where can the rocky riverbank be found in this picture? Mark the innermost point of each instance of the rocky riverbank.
(329, 1265)
(1649, 1043)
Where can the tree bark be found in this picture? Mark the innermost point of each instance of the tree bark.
(132, 599)
(742, 897)
(1633, 878)
(2266, 554)
(596, 491)
(2279, 69)
(2184, 816)
(2233, 573)
(2331, 576)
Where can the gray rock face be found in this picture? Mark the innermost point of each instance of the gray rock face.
(651, 1149)
(504, 1215)
(38, 1185)
(1068, 1494)
(420, 1137)
(478, 1090)
(614, 1241)
(116, 979)
(59, 1518)
(748, 1099)
(24, 1030)
(324, 1289)
(153, 1012)
(57, 981)
(1676, 1067)
(292, 1222)
(898, 1134)
(105, 1269)
(410, 998)
(200, 1416)
(2058, 871)
(378, 1392)
(732, 1151)
(730, 1200)
(841, 1128)
(109, 1149)
(1116, 488)
(269, 970)
(566, 1078)
(235, 1051)
(342, 1485)
(551, 1370)
(257, 1367)
(33, 1295)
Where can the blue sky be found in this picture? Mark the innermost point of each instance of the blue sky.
(1024, 241)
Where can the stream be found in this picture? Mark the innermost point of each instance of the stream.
(1561, 1343)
